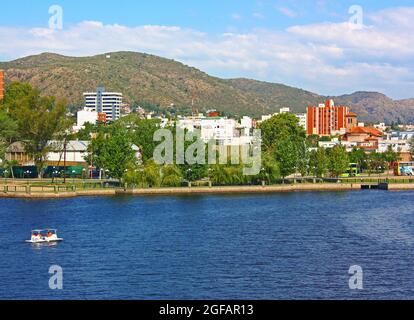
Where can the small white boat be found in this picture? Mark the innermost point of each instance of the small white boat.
(44, 236)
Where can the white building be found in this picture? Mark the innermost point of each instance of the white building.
(303, 119)
(222, 130)
(85, 116)
(349, 145)
(190, 123)
(381, 126)
(225, 131)
(76, 152)
(400, 135)
(399, 146)
(246, 126)
(101, 101)
(399, 141)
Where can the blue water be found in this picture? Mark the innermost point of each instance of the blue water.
(280, 246)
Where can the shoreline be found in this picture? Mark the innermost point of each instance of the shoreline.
(323, 187)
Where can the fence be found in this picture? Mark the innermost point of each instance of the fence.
(33, 188)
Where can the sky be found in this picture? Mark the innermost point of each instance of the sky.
(325, 46)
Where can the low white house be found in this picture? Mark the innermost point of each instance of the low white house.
(75, 154)
(349, 145)
(400, 146)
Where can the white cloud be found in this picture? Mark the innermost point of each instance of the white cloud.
(287, 12)
(328, 58)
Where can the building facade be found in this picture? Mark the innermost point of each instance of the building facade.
(366, 138)
(223, 130)
(328, 119)
(74, 153)
(106, 104)
(303, 119)
(83, 117)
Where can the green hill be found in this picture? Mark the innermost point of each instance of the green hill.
(147, 78)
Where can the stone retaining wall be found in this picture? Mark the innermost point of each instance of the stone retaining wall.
(199, 190)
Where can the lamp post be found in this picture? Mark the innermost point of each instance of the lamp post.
(189, 171)
(64, 158)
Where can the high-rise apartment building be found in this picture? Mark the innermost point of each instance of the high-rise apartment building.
(104, 103)
(328, 119)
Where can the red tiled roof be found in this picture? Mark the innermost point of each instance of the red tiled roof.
(366, 130)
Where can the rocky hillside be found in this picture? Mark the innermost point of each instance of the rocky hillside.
(148, 78)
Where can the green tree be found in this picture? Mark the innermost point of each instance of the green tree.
(338, 161)
(286, 154)
(192, 172)
(390, 157)
(112, 152)
(39, 120)
(376, 162)
(218, 174)
(313, 140)
(171, 176)
(146, 175)
(227, 174)
(85, 134)
(359, 157)
(283, 134)
(281, 127)
(8, 167)
(142, 133)
(270, 169)
(318, 162)
(15, 93)
(303, 159)
(8, 132)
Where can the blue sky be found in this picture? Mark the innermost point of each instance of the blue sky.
(207, 16)
(308, 44)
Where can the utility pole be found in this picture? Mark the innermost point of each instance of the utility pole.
(64, 159)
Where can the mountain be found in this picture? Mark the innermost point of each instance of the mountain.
(148, 78)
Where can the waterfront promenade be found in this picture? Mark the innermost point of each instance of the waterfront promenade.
(70, 191)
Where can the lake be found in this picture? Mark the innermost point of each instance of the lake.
(272, 246)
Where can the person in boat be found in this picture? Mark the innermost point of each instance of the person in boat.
(36, 236)
(49, 234)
